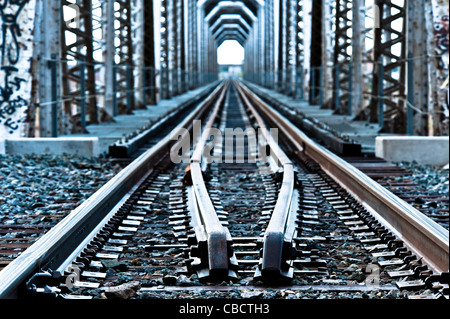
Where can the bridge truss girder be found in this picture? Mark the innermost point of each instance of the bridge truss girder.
(119, 55)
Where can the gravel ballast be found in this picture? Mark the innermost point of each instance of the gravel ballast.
(37, 191)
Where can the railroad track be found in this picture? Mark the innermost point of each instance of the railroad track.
(265, 211)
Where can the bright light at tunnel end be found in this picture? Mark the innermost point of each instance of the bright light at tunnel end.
(230, 52)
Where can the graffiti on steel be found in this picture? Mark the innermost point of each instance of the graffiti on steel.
(14, 34)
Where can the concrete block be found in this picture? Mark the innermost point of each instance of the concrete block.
(105, 142)
(422, 149)
(82, 146)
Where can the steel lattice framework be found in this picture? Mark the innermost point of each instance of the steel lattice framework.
(149, 74)
(390, 59)
(95, 59)
(77, 62)
(124, 56)
(299, 49)
(342, 56)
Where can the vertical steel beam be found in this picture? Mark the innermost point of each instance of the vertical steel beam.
(282, 46)
(172, 46)
(123, 53)
(137, 36)
(261, 43)
(158, 54)
(326, 70)
(200, 43)
(54, 88)
(362, 48)
(436, 14)
(342, 54)
(108, 56)
(83, 92)
(291, 45)
(417, 69)
(49, 24)
(307, 39)
(390, 49)
(300, 50)
(358, 25)
(181, 8)
(165, 67)
(267, 43)
(188, 42)
(195, 41)
(275, 43)
(192, 36)
(72, 53)
(254, 65)
(149, 48)
(316, 47)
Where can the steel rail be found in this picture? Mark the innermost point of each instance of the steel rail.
(422, 235)
(217, 238)
(278, 234)
(52, 249)
(122, 149)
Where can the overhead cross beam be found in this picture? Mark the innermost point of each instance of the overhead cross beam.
(231, 35)
(230, 7)
(231, 26)
(230, 18)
